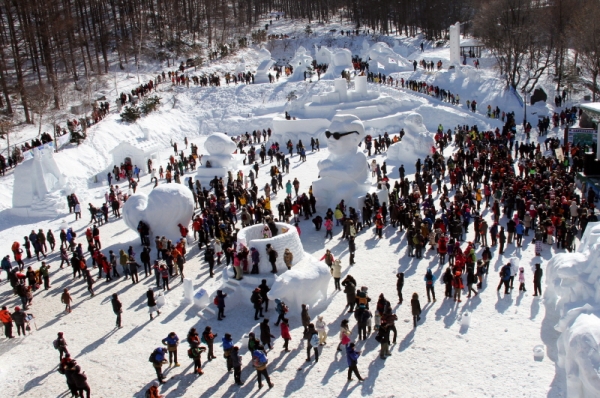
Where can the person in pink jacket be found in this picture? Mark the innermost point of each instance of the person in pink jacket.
(329, 228)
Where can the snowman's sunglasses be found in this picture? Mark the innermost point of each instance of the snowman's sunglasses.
(337, 136)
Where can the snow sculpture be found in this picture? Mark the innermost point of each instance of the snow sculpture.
(35, 180)
(573, 291)
(455, 44)
(301, 62)
(415, 144)
(264, 66)
(340, 60)
(384, 58)
(287, 238)
(344, 174)
(165, 207)
(220, 158)
(303, 284)
(240, 67)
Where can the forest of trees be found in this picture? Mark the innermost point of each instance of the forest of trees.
(49, 46)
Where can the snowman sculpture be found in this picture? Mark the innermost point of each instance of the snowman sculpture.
(345, 173)
(220, 158)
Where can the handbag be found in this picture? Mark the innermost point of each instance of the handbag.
(345, 339)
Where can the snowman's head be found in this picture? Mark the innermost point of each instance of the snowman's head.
(344, 134)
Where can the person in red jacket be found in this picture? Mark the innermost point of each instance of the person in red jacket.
(442, 249)
(285, 333)
(7, 320)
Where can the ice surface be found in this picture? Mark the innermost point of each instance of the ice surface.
(165, 207)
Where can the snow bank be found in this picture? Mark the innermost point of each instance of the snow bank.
(165, 207)
(573, 291)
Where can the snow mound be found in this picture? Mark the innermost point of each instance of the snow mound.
(573, 292)
(305, 283)
(385, 60)
(165, 207)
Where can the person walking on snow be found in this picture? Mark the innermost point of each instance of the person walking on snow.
(152, 307)
(430, 279)
(352, 357)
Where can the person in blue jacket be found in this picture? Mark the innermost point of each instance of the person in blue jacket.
(352, 357)
(172, 341)
(505, 273)
(519, 231)
(429, 281)
(221, 304)
(227, 349)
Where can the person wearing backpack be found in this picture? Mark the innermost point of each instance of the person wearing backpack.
(60, 344)
(505, 278)
(260, 361)
(272, 253)
(158, 359)
(208, 338)
(429, 281)
(256, 300)
(172, 341)
(352, 358)
(281, 310)
(312, 338)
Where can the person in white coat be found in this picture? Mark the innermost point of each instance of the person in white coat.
(321, 330)
(336, 272)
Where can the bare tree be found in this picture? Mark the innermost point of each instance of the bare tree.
(586, 38)
(39, 101)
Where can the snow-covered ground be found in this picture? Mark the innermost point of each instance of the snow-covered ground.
(491, 357)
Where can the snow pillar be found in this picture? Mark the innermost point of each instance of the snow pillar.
(455, 44)
(341, 87)
(188, 290)
(360, 84)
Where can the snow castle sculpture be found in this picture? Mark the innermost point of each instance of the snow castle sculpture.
(344, 174)
(573, 292)
(35, 181)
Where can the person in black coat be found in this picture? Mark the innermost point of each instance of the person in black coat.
(265, 333)
(351, 249)
(399, 286)
(537, 280)
(209, 257)
(117, 308)
(264, 289)
(80, 380)
(145, 258)
(416, 308)
(256, 300)
(151, 303)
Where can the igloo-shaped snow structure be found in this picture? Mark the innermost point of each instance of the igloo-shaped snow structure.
(220, 157)
(287, 238)
(301, 62)
(262, 71)
(162, 210)
(305, 283)
(573, 292)
(38, 181)
(416, 144)
(344, 174)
